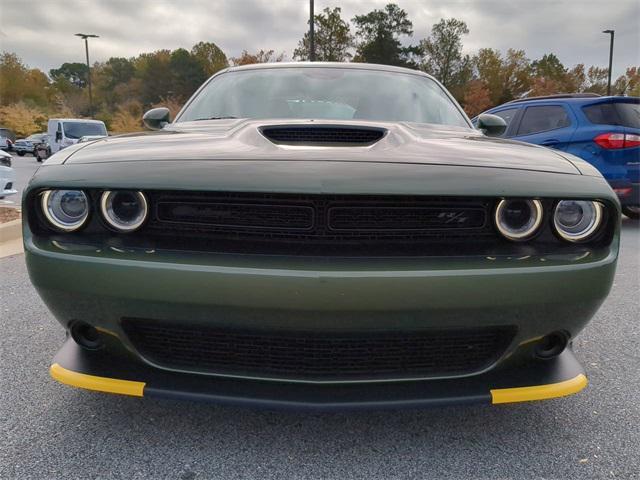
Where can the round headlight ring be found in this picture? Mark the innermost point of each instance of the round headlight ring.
(114, 206)
(65, 210)
(527, 229)
(589, 216)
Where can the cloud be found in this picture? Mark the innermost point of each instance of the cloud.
(41, 32)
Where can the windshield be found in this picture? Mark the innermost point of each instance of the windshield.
(324, 93)
(36, 137)
(80, 129)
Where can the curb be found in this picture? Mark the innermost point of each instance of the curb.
(11, 238)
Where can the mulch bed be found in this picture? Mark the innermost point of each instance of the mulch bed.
(7, 214)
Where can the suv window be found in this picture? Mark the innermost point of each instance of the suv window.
(507, 115)
(623, 114)
(543, 118)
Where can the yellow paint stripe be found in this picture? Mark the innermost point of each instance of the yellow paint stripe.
(100, 384)
(539, 392)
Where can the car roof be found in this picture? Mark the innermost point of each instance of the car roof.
(574, 99)
(345, 65)
(88, 120)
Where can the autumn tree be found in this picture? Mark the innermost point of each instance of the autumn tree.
(261, 56)
(21, 83)
(629, 83)
(378, 36)
(443, 58)
(476, 98)
(333, 38)
(506, 77)
(210, 56)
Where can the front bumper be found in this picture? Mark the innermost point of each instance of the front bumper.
(98, 371)
(538, 295)
(7, 181)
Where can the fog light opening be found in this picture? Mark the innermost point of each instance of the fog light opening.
(551, 345)
(86, 336)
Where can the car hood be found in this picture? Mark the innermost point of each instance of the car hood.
(405, 143)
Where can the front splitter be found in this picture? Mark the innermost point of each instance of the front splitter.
(535, 380)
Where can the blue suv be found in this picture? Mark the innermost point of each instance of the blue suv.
(604, 131)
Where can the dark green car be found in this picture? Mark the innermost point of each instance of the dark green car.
(321, 236)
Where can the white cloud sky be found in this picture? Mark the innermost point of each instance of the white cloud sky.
(41, 31)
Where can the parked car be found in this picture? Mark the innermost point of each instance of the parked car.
(604, 131)
(327, 236)
(7, 137)
(7, 176)
(64, 132)
(28, 145)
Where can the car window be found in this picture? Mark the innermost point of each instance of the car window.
(624, 114)
(507, 115)
(324, 93)
(543, 118)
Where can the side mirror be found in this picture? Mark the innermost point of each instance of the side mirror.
(491, 125)
(58, 136)
(156, 118)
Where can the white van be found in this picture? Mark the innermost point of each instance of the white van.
(67, 131)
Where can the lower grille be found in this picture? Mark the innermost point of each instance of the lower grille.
(316, 355)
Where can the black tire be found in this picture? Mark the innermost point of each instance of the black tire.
(631, 212)
(38, 159)
(20, 154)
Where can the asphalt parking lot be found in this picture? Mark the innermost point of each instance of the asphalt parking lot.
(48, 430)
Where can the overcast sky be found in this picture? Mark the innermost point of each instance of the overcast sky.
(41, 31)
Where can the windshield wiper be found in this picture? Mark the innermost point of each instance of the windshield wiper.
(213, 118)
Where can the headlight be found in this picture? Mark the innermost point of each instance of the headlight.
(66, 210)
(518, 219)
(124, 210)
(577, 220)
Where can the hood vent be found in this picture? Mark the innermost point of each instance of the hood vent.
(323, 135)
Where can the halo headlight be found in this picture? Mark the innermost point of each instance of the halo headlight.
(66, 210)
(124, 210)
(577, 220)
(518, 219)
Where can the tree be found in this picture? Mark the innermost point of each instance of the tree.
(210, 56)
(75, 73)
(333, 38)
(261, 56)
(476, 98)
(597, 78)
(629, 83)
(442, 52)
(156, 77)
(549, 67)
(20, 83)
(188, 73)
(22, 119)
(378, 34)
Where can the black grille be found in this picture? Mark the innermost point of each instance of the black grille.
(325, 225)
(237, 215)
(310, 135)
(316, 355)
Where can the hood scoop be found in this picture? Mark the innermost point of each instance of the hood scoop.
(323, 135)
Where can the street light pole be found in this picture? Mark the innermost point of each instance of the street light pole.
(86, 36)
(612, 33)
(312, 39)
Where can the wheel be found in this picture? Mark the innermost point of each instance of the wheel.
(21, 154)
(38, 159)
(631, 212)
